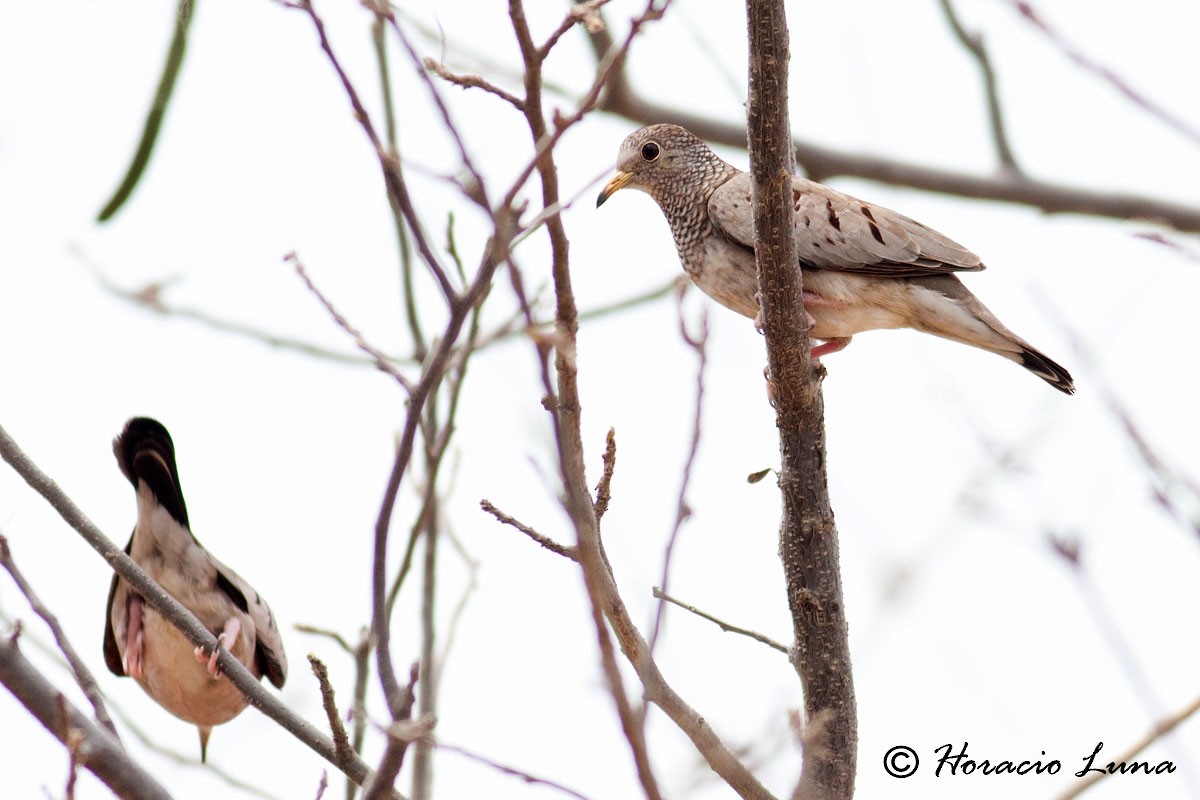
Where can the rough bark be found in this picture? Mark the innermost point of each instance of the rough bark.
(808, 543)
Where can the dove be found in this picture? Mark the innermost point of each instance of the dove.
(864, 267)
(140, 642)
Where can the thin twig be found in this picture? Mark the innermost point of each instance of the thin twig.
(476, 190)
(420, 346)
(698, 345)
(382, 361)
(587, 13)
(468, 81)
(1156, 732)
(720, 623)
(150, 298)
(604, 487)
(973, 43)
(1106, 74)
(341, 742)
(527, 777)
(83, 675)
(388, 164)
(544, 541)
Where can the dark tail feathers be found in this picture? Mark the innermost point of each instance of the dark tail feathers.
(145, 452)
(1047, 370)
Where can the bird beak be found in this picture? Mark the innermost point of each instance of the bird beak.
(619, 181)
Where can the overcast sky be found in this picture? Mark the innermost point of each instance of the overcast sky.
(949, 467)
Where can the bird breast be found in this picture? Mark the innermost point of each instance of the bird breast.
(180, 683)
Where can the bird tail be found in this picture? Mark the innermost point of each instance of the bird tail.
(1045, 368)
(146, 454)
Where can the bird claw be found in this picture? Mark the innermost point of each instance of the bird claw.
(132, 662)
(225, 639)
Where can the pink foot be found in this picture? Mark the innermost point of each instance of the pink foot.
(135, 642)
(225, 639)
(830, 346)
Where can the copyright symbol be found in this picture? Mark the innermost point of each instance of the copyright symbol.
(901, 761)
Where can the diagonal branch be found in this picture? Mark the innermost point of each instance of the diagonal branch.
(1161, 728)
(1105, 74)
(91, 746)
(822, 163)
(973, 42)
(83, 675)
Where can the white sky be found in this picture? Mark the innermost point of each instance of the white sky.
(963, 626)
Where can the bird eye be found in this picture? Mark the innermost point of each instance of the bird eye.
(650, 151)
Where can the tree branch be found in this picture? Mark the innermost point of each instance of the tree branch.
(1160, 729)
(822, 163)
(720, 623)
(90, 745)
(83, 675)
(973, 43)
(808, 543)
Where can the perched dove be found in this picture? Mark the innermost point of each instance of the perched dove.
(138, 641)
(865, 267)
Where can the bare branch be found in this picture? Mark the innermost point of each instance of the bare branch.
(1106, 74)
(527, 777)
(822, 163)
(150, 298)
(388, 164)
(341, 742)
(382, 361)
(587, 13)
(472, 82)
(380, 785)
(83, 675)
(808, 540)
(725, 626)
(973, 43)
(90, 745)
(544, 541)
(1189, 253)
(580, 506)
(604, 488)
(1159, 729)
(698, 343)
(361, 653)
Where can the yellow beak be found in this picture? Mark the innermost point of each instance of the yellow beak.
(619, 181)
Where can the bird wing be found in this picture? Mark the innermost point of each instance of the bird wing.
(112, 652)
(838, 232)
(268, 646)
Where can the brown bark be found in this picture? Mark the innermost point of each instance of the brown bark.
(808, 543)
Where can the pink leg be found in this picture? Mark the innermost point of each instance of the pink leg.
(830, 346)
(225, 639)
(135, 641)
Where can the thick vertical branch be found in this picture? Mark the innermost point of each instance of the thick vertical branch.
(808, 542)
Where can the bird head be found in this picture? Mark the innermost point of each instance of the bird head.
(664, 161)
